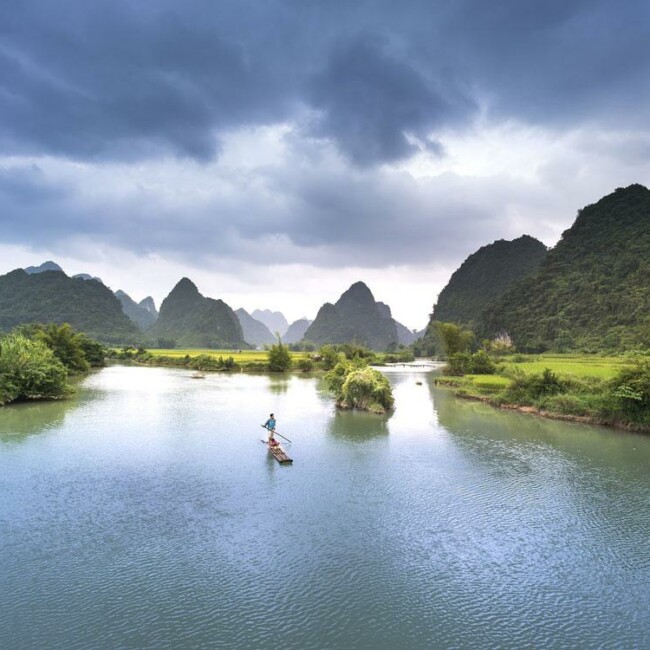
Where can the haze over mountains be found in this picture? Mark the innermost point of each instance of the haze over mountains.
(143, 313)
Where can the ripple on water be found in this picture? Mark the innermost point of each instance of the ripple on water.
(150, 516)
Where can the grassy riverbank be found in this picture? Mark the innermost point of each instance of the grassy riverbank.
(613, 390)
(251, 360)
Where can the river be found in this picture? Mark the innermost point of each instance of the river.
(146, 513)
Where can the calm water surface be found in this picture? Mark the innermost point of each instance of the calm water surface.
(147, 514)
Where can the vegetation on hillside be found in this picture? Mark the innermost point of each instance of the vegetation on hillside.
(355, 317)
(592, 291)
(192, 320)
(53, 297)
(485, 276)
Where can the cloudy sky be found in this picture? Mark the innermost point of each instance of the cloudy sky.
(276, 151)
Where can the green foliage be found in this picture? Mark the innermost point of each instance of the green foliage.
(329, 356)
(527, 389)
(52, 297)
(193, 320)
(356, 385)
(279, 358)
(303, 346)
(630, 392)
(29, 370)
(306, 365)
(463, 363)
(591, 292)
(94, 351)
(485, 276)
(66, 345)
(207, 362)
(77, 351)
(453, 338)
(402, 356)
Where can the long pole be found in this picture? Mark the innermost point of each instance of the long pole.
(277, 434)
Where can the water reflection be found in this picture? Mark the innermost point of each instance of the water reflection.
(357, 426)
(278, 384)
(17, 421)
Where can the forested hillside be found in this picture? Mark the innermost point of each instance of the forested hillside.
(192, 320)
(355, 317)
(592, 290)
(53, 297)
(485, 276)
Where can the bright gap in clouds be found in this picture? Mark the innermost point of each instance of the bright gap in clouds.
(281, 221)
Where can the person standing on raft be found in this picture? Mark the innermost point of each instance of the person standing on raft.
(270, 425)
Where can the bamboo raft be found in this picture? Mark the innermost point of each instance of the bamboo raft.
(278, 453)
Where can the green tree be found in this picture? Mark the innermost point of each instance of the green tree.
(329, 356)
(279, 357)
(454, 339)
(66, 344)
(29, 370)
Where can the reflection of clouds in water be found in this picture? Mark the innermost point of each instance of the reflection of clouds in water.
(17, 421)
(357, 426)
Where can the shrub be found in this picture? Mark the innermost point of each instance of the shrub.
(279, 358)
(463, 363)
(329, 356)
(306, 365)
(208, 362)
(629, 392)
(29, 370)
(356, 385)
(528, 389)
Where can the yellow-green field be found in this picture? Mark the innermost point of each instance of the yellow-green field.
(240, 357)
(564, 365)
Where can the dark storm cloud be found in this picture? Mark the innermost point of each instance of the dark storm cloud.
(371, 100)
(321, 219)
(137, 79)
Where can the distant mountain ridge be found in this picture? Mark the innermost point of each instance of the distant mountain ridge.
(296, 331)
(192, 320)
(255, 332)
(87, 276)
(274, 320)
(355, 317)
(143, 314)
(52, 297)
(45, 266)
(593, 289)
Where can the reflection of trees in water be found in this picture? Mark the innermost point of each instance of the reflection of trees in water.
(357, 426)
(278, 384)
(17, 421)
(513, 442)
